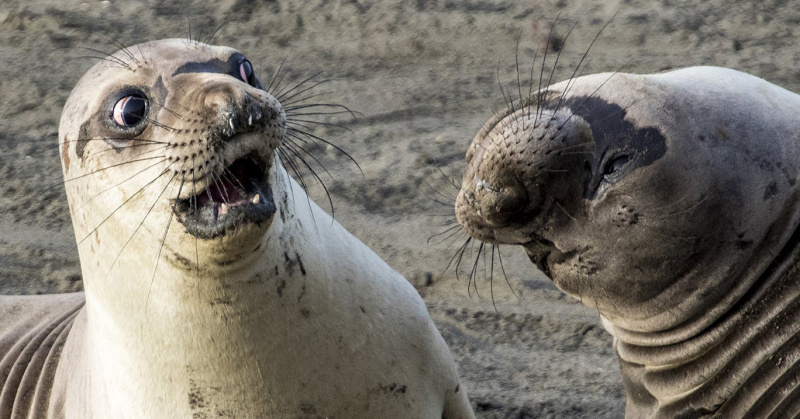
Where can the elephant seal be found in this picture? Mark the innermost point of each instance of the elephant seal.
(668, 202)
(213, 285)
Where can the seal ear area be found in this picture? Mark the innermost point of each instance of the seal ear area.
(121, 117)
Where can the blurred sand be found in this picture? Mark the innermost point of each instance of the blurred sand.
(424, 75)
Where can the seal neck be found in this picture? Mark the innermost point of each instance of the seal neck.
(212, 333)
(741, 342)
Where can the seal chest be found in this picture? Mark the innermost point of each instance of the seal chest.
(669, 203)
(213, 285)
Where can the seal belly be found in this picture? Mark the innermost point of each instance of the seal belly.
(33, 332)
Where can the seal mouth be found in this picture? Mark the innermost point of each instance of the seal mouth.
(544, 254)
(238, 196)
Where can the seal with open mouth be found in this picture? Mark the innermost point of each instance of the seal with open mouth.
(213, 286)
(668, 202)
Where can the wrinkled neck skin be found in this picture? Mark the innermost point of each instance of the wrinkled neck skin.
(706, 366)
(185, 330)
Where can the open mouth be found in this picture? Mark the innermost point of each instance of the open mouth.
(238, 196)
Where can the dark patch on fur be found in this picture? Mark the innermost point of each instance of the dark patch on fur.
(300, 263)
(281, 287)
(292, 262)
(614, 136)
(214, 65)
(770, 191)
(308, 408)
(306, 313)
(184, 263)
(196, 400)
(394, 388)
(458, 387)
(83, 138)
(160, 90)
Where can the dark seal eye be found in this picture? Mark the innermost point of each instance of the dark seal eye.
(130, 110)
(246, 73)
(615, 165)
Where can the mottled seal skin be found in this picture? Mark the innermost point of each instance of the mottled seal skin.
(213, 286)
(668, 202)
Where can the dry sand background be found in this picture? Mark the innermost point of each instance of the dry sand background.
(423, 73)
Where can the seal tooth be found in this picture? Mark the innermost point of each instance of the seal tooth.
(250, 119)
(223, 209)
(256, 199)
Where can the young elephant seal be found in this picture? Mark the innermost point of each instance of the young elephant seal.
(213, 286)
(669, 202)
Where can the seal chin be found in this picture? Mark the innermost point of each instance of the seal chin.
(238, 197)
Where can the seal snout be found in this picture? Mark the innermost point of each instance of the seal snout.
(227, 179)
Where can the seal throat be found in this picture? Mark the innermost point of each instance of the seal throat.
(238, 196)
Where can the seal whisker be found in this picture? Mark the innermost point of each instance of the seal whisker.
(100, 170)
(457, 257)
(289, 109)
(146, 140)
(558, 54)
(541, 69)
(106, 57)
(128, 147)
(215, 31)
(529, 98)
(149, 210)
(286, 97)
(313, 173)
(503, 269)
(294, 146)
(577, 67)
(472, 279)
(279, 90)
(300, 122)
(322, 140)
(491, 280)
(161, 246)
(277, 72)
(506, 99)
(519, 83)
(116, 209)
(591, 95)
(117, 185)
(285, 158)
(558, 204)
(159, 124)
(193, 207)
(453, 230)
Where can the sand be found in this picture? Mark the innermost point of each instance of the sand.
(423, 76)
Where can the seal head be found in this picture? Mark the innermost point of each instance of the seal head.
(661, 200)
(182, 123)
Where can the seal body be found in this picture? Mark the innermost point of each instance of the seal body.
(668, 202)
(213, 285)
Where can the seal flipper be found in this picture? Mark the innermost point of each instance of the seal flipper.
(33, 330)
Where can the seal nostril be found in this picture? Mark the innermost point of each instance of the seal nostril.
(500, 205)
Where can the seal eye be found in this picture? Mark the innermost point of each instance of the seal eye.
(615, 165)
(130, 110)
(246, 73)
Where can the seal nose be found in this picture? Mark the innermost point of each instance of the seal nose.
(498, 204)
